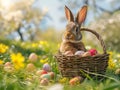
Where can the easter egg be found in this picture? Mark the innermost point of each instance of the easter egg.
(46, 67)
(75, 80)
(80, 53)
(117, 72)
(7, 64)
(86, 54)
(51, 74)
(68, 53)
(44, 82)
(43, 72)
(40, 72)
(33, 57)
(30, 67)
(92, 52)
(45, 76)
(8, 67)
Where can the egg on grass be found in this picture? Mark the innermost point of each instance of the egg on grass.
(44, 82)
(46, 67)
(33, 57)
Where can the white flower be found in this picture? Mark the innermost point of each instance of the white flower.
(56, 87)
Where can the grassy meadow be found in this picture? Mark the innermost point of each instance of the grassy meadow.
(19, 75)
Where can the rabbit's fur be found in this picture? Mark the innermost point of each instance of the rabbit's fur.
(72, 36)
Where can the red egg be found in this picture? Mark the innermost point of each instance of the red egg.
(92, 52)
(43, 72)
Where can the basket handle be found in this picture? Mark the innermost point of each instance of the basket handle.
(98, 37)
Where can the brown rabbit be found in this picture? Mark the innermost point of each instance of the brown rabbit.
(72, 36)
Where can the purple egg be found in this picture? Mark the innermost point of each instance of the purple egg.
(79, 52)
(47, 67)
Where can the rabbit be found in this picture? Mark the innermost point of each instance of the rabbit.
(72, 36)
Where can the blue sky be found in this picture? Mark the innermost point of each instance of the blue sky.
(53, 11)
(55, 14)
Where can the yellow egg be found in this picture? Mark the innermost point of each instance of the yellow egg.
(38, 72)
(86, 54)
(75, 80)
(117, 72)
(30, 67)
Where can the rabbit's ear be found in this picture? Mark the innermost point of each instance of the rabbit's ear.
(69, 14)
(81, 15)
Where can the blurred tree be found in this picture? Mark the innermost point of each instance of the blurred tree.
(108, 27)
(22, 17)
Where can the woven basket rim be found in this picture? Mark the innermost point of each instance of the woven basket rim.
(98, 55)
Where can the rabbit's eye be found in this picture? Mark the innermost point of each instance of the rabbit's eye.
(77, 30)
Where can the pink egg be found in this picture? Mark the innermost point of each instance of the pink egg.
(33, 57)
(44, 82)
(68, 53)
(8, 64)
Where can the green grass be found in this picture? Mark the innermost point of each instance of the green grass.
(24, 80)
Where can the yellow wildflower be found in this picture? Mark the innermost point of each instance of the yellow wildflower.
(63, 80)
(111, 64)
(18, 60)
(1, 62)
(43, 61)
(118, 55)
(111, 55)
(34, 45)
(43, 43)
(3, 48)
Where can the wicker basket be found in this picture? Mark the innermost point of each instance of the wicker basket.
(71, 66)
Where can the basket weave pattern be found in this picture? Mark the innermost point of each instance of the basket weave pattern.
(71, 66)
